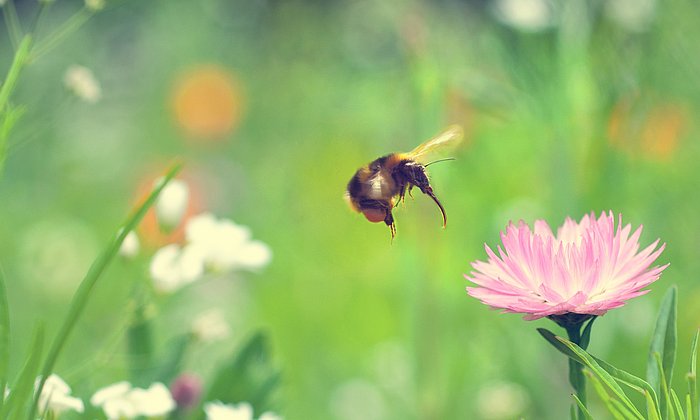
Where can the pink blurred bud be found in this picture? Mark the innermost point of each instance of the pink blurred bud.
(186, 390)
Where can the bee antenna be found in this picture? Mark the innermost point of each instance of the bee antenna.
(439, 160)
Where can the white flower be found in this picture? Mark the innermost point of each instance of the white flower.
(172, 203)
(270, 416)
(95, 5)
(526, 15)
(55, 396)
(152, 402)
(211, 326)
(114, 401)
(130, 247)
(226, 245)
(82, 82)
(121, 401)
(633, 15)
(220, 411)
(173, 267)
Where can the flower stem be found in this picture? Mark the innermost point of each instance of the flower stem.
(576, 377)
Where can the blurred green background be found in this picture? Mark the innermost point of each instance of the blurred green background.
(568, 107)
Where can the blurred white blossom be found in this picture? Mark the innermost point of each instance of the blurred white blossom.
(55, 396)
(633, 15)
(242, 411)
(220, 411)
(121, 401)
(131, 245)
(270, 416)
(211, 326)
(173, 267)
(525, 15)
(154, 401)
(82, 82)
(501, 401)
(95, 5)
(212, 245)
(172, 203)
(225, 245)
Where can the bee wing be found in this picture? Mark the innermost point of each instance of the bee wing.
(449, 137)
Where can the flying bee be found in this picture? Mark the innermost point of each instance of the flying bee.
(374, 188)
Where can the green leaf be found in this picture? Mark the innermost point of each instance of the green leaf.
(651, 414)
(82, 295)
(663, 342)
(553, 340)
(633, 382)
(604, 376)
(604, 396)
(174, 358)
(23, 388)
(692, 378)
(4, 337)
(249, 376)
(586, 334)
(665, 396)
(582, 407)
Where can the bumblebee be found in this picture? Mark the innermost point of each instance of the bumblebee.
(374, 189)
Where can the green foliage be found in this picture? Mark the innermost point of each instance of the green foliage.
(663, 346)
(15, 408)
(4, 337)
(661, 402)
(250, 375)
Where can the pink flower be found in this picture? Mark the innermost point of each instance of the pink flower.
(588, 268)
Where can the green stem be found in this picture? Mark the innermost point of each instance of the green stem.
(12, 23)
(68, 27)
(18, 62)
(576, 377)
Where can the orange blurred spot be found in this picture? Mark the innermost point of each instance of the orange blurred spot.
(663, 130)
(149, 230)
(653, 130)
(208, 103)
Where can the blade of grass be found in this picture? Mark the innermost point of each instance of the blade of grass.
(23, 387)
(677, 405)
(82, 295)
(4, 337)
(651, 414)
(692, 378)
(663, 342)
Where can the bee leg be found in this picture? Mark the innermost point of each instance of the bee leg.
(389, 220)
